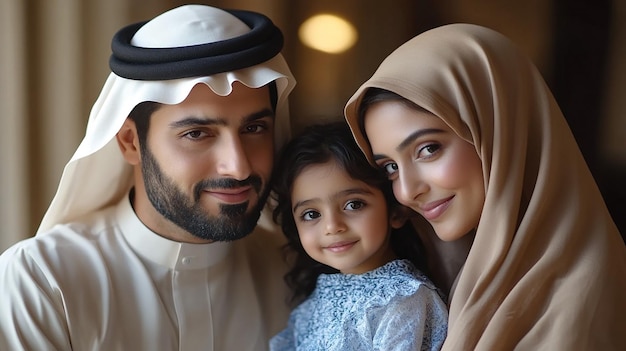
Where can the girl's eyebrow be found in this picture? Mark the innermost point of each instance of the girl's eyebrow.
(354, 191)
(301, 204)
(205, 120)
(410, 139)
(346, 192)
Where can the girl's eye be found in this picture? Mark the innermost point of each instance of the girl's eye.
(354, 205)
(428, 150)
(310, 215)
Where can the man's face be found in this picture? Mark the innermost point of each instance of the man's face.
(208, 160)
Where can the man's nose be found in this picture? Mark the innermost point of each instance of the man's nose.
(233, 158)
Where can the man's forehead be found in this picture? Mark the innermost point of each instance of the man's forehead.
(200, 118)
(204, 107)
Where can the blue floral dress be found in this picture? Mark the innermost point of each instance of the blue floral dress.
(394, 307)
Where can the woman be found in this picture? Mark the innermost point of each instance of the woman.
(355, 260)
(474, 142)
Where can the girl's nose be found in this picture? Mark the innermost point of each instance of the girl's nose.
(334, 224)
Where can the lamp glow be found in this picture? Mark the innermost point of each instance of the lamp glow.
(328, 33)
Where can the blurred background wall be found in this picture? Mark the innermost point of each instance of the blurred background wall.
(54, 60)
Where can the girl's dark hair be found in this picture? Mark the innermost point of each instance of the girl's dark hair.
(318, 144)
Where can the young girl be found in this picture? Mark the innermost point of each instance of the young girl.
(354, 266)
(473, 141)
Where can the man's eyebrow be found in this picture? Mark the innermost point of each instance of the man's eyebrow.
(196, 121)
(266, 112)
(409, 140)
(206, 121)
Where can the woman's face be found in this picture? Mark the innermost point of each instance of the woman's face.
(433, 170)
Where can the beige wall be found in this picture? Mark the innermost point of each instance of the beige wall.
(13, 151)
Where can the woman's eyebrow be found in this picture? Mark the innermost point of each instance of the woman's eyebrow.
(416, 135)
(410, 139)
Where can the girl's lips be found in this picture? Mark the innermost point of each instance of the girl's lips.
(232, 196)
(340, 246)
(433, 210)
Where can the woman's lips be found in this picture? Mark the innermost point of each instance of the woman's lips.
(433, 210)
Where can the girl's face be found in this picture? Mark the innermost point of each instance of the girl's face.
(433, 170)
(342, 222)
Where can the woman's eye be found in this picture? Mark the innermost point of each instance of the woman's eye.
(310, 215)
(354, 205)
(428, 150)
(390, 168)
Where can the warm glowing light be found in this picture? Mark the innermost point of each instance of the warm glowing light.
(328, 33)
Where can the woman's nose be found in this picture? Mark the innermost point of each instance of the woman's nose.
(409, 186)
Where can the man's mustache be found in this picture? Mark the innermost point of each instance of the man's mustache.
(227, 183)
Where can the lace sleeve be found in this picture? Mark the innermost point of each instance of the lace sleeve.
(415, 322)
(283, 341)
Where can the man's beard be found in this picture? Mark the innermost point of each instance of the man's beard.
(232, 222)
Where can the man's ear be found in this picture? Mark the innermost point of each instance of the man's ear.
(398, 215)
(128, 141)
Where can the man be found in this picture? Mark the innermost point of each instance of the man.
(146, 244)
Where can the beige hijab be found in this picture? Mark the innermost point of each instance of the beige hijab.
(547, 270)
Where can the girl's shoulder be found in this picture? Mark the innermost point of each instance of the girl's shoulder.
(400, 270)
(396, 278)
(399, 277)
